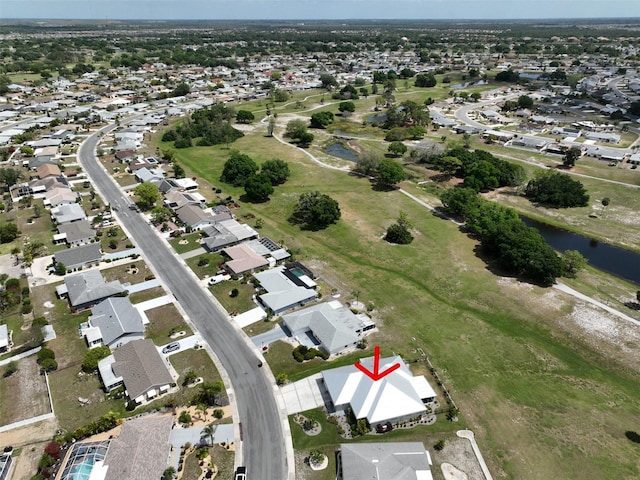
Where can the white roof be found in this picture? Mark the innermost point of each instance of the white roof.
(395, 395)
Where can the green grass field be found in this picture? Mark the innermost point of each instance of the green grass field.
(543, 404)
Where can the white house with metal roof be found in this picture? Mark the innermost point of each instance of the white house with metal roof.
(285, 288)
(396, 397)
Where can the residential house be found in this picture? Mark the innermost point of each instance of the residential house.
(67, 213)
(86, 289)
(530, 142)
(59, 196)
(226, 233)
(603, 137)
(79, 257)
(243, 259)
(139, 366)
(149, 175)
(196, 218)
(48, 170)
(75, 234)
(388, 461)
(175, 199)
(287, 287)
(396, 397)
(113, 322)
(333, 325)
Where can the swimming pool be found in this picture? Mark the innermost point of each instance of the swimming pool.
(83, 470)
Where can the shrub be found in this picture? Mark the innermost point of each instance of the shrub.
(185, 418)
(234, 293)
(218, 413)
(44, 354)
(439, 445)
(53, 449)
(10, 369)
(48, 365)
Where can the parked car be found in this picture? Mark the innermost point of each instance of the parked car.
(172, 347)
(241, 473)
(217, 279)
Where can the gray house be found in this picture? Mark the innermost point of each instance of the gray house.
(286, 288)
(113, 322)
(333, 325)
(67, 213)
(227, 233)
(79, 257)
(393, 460)
(139, 367)
(86, 289)
(75, 234)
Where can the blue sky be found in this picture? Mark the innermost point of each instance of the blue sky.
(317, 9)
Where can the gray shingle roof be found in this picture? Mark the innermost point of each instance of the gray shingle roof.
(141, 367)
(140, 451)
(116, 317)
(77, 230)
(89, 286)
(79, 255)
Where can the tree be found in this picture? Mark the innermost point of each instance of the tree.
(425, 80)
(277, 170)
(399, 234)
(557, 190)
(160, 215)
(258, 187)
(8, 232)
(315, 211)
(185, 418)
(507, 76)
(148, 194)
(605, 203)
(415, 132)
(390, 172)
(295, 129)
(189, 378)
(218, 413)
(346, 107)
(328, 81)
(209, 392)
(48, 365)
(305, 139)
(572, 262)
(439, 445)
(571, 156)
(9, 176)
(92, 357)
(367, 163)
(271, 126)
(525, 101)
(181, 90)
(244, 116)
(60, 269)
(207, 433)
(169, 473)
(178, 171)
(449, 165)
(397, 149)
(321, 119)
(237, 169)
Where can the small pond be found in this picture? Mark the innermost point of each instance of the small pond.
(340, 151)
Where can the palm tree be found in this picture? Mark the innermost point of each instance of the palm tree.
(207, 433)
(201, 408)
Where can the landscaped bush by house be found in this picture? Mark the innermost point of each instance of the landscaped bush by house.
(302, 353)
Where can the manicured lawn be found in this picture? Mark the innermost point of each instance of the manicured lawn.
(147, 294)
(522, 381)
(113, 233)
(192, 242)
(132, 272)
(240, 303)
(163, 321)
(214, 260)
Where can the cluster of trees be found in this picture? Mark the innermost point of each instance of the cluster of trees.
(480, 170)
(524, 101)
(241, 171)
(315, 211)
(211, 126)
(519, 249)
(321, 119)
(507, 76)
(302, 353)
(9, 177)
(426, 80)
(387, 171)
(46, 358)
(556, 189)
(398, 134)
(297, 131)
(408, 112)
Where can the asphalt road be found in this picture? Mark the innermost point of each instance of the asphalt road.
(263, 446)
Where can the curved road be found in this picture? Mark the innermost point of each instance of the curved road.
(263, 445)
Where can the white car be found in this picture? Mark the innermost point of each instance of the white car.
(217, 279)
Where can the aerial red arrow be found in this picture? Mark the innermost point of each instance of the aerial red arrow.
(376, 374)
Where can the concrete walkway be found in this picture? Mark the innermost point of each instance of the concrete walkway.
(20, 356)
(566, 289)
(193, 253)
(468, 434)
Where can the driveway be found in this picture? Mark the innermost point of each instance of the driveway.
(185, 344)
(305, 394)
(267, 338)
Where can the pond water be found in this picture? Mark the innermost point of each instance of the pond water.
(458, 86)
(617, 261)
(342, 133)
(532, 76)
(340, 151)
(377, 118)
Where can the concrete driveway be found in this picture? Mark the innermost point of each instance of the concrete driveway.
(305, 394)
(185, 343)
(267, 338)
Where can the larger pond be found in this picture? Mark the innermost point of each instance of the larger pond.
(617, 261)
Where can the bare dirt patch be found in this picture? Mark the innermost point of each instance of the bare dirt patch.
(458, 454)
(24, 393)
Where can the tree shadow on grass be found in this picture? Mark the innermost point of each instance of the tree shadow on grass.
(246, 199)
